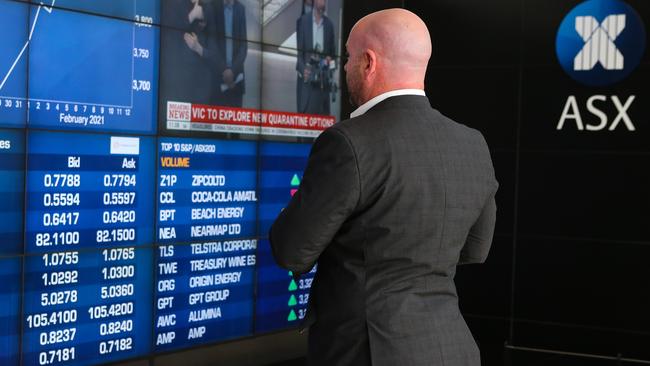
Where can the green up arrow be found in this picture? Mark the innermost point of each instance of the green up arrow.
(292, 301)
(293, 286)
(292, 316)
(295, 181)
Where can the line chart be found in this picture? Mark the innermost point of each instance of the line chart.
(85, 71)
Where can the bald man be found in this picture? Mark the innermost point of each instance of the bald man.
(392, 200)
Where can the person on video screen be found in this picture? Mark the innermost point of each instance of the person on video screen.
(316, 50)
(307, 6)
(188, 31)
(230, 53)
(225, 52)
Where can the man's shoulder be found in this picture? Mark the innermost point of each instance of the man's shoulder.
(393, 115)
(238, 6)
(305, 20)
(354, 130)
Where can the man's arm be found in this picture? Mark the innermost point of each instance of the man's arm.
(327, 196)
(330, 50)
(209, 50)
(241, 38)
(479, 240)
(214, 51)
(300, 64)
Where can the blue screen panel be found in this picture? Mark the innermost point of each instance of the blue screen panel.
(206, 190)
(281, 169)
(281, 300)
(87, 307)
(88, 191)
(91, 72)
(12, 186)
(206, 197)
(14, 17)
(10, 277)
(204, 292)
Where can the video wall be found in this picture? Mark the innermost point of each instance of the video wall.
(145, 149)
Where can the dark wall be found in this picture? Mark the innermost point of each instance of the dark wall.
(568, 269)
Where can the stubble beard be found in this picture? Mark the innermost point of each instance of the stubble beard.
(353, 89)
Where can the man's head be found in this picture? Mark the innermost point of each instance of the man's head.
(387, 50)
(320, 6)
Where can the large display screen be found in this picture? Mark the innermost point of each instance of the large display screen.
(145, 149)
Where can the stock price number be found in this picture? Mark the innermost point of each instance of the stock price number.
(119, 180)
(52, 319)
(61, 199)
(60, 259)
(55, 239)
(61, 180)
(115, 273)
(115, 345)
(107, 311)
(117, 327)
(302, 313)
(305, 283)
(60, 218)
(56, 356)
(59, 298)
(115, 235)
(117, 291)
(115, 217)
(57, 336)
(118, 254)
(118, 198)
(60, 278)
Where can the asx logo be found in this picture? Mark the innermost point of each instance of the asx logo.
(600, 42)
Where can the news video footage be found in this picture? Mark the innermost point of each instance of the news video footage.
(145, 149)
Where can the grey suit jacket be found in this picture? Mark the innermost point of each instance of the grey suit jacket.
(390, 203)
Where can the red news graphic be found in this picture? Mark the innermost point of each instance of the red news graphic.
(197, 117)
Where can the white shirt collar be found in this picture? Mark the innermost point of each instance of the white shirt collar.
(381, 97)
(313, 17)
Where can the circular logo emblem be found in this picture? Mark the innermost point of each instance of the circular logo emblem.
(600, 42)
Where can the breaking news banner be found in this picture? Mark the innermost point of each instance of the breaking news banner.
(198, 117)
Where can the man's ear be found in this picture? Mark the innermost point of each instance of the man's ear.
(370, 63)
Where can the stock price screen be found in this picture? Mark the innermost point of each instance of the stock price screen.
(120, 241)
(206, 228)
(88, 238)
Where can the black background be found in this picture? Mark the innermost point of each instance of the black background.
(568, 271)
